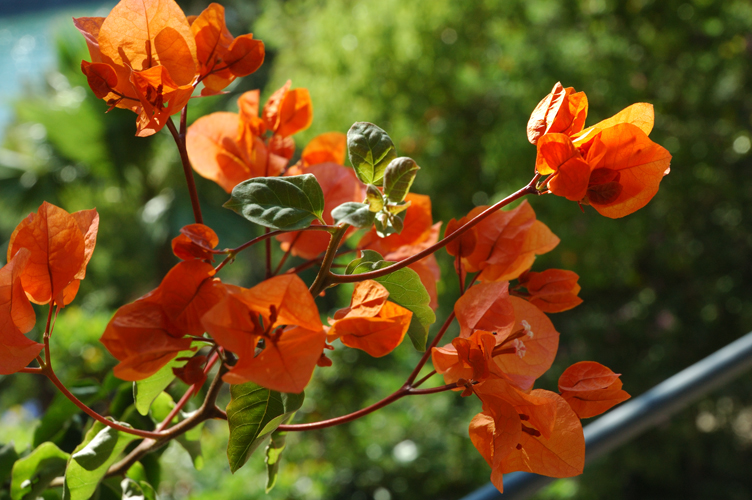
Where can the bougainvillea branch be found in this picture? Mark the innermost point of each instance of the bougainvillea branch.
(266, 339)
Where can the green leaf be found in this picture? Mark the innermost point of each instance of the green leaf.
(406, 289)
(32, 474)
(287, 203)
(137, 490)
(374, 198)
(274, 449)
(98, 450)
(145, 391)
(370, 150)
(80, 482)
(368, 257)
(398, 178)
(353, 213)
(8, 457)
(253, 414)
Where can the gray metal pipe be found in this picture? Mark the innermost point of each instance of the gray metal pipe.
(632, 418)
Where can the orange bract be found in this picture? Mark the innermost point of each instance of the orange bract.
(485, 306)
(612, 165)
(495, 434)
(280, 311)
(59, 251)
(553, 290)
(325, 148)
(540, 344)
(195, 242)
(562, 454)
(221, 57)
(590, 388)
(16, 317)
(371, 323)
(562, 110)
(507, 242)
(146, 334)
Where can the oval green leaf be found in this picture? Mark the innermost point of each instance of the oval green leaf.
(370, 149)
(286, 203)
(353, 213)
(398, 178)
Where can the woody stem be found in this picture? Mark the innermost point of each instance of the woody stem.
(47, 370)
(353, 278)
(400, 393)
(187, 169)
(323, 278)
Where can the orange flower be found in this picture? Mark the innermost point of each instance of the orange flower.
(222, 58)
(229, 148)
(371, 323)
(16, 317)
(504, 244)
(281, 312)
(590, 388)
(146, 334)
(612, 165)
(61, 245)
(146, 57)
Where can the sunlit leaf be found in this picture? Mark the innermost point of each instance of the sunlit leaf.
(370, 150)
(286, 203)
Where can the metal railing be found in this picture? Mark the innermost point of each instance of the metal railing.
(627, 421)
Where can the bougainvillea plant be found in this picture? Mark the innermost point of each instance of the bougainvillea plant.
(267, 340)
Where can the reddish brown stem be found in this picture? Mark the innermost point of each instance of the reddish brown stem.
(401, 393)
(427, 354)
(268, 256)
(31, 369)
(188, 394)
(187, 169)
(353, 278)
(47, 370)
(286, 255)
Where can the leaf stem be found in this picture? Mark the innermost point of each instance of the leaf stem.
(187, 169)
(353, 278)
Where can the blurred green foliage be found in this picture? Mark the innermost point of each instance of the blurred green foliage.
(453, 83)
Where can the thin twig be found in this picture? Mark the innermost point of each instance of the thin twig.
(187, 169)
(353, 278)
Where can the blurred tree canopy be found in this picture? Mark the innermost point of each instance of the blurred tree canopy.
(454, 84)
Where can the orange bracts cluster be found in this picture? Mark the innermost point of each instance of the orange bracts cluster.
(506, 342)
(47, 257)
(229, 148)
(148, 57)
(612, 165)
